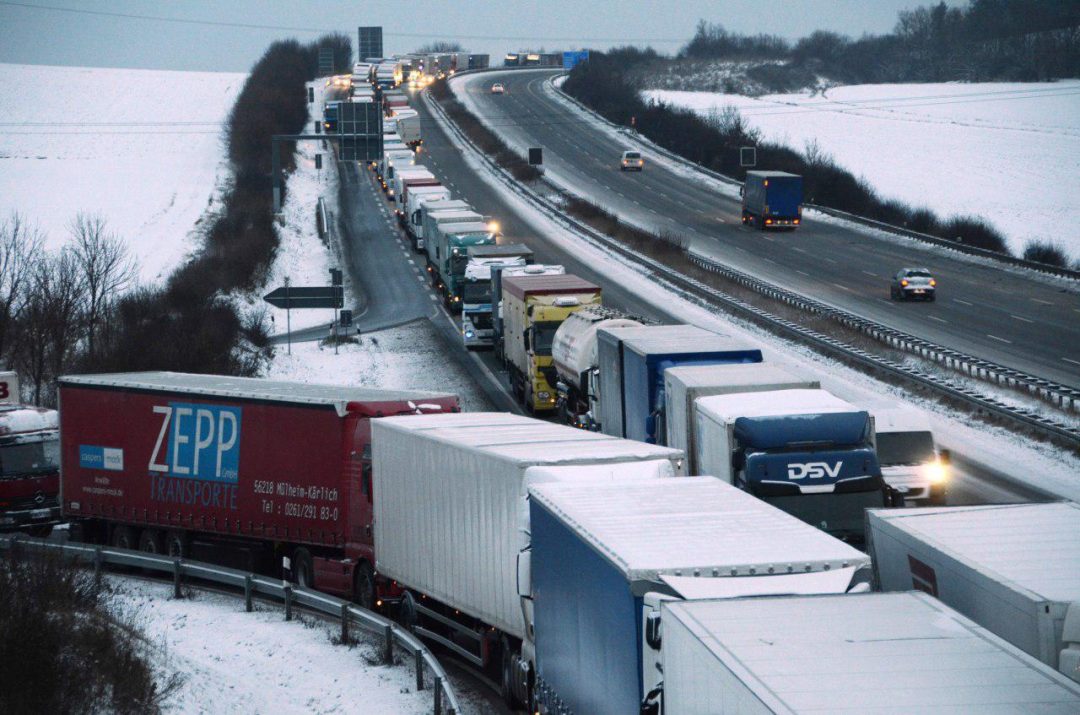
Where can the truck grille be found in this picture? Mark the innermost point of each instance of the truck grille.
(38, 501)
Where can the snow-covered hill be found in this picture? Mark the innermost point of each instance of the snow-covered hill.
(1009, 152)
(142, 148)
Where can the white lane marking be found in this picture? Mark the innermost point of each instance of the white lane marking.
(1022, 318)
(771, 239)
(1003, 340)
(875, 275)
(721, 220)
(796, 248)
(961, 302)
(886, 302)
(803, 273)
(770, 260)
(841, 287)
(1043, 302)
(421, 278)
(830, 260)
(433, 298)
(412, 262)
(1074, 362)
(934, 317)
(654, 211)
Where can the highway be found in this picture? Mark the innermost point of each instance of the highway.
(1027, 323)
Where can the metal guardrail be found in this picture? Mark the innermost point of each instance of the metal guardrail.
(1062, 396)
(900, 230)
(445, 700)
(829, 345)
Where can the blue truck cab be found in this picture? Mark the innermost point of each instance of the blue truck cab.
(605, 555)
(772, 199)
(330, 116)
(632, 361)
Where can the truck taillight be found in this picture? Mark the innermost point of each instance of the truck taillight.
(796, 222)
(768, 221)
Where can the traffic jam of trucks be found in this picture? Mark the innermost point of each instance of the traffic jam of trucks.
(680, 525)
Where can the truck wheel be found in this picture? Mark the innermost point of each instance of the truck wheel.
(40, 532)
(509, 658)
(364, 586)
(150, 541)
(124, 538)
(176, 544)
(303, 572)
(407, 614)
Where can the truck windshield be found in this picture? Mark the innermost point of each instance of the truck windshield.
(904, 447)
(543, 336)
(478, 292)
(30, 458)
(457, 264)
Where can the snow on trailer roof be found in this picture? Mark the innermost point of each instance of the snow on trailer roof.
(691, 526)
(21, 419)
(525, 441)
(550, 283)
(736, 375)
(867, 653)
(676, 339)
(773, 402)
(1034, 546)
(772, 174)
(248, 388)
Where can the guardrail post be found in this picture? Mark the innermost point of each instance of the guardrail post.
(388, 645)
(345, 624)
(176, 578)
(438, 695)
(418, 655)
(288, 602)
(247, 594)
(97, 563)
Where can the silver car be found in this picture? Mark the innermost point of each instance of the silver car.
(913, 283)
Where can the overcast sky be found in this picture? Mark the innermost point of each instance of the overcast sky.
(38, 35)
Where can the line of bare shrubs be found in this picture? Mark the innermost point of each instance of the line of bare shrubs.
(63, 650)
(714, 142)
(483, 137)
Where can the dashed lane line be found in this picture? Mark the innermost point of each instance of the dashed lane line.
(1070, 360)
(1001, 340)
(1022, 318)
(934, 317)
(962, 302)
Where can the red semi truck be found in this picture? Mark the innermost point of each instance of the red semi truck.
(29, 463)
(243, 470)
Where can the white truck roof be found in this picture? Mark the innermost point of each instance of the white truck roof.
(1033, 547)
(723, 408)
(865, 653)
(470, 227)
(695, 527)
(735, 375)
(454, 216)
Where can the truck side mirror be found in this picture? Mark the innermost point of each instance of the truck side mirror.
(652, 630)
(524, 573)
(525, 336)
(945, 456)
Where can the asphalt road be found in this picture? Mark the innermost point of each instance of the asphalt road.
(999, 315)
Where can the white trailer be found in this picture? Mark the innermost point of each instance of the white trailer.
(864, 653)
(1012, 568)
(422, 212)
(683, 386)
(433, 219)
(416, 174)
(451, 511)
(413, 202)
(407, 123)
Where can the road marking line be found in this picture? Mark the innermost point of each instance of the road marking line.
(961, 302)
(1074, 362)
(420, 278)
(1044, 302)
(841, 287)
(1019, 317)
(875, 275)
(934, 317)
(795, 248)
(433, 298)
(803, 273)
(1003, 340)
(830, 260)
(412, 262)
(770, 260)
(721, 220)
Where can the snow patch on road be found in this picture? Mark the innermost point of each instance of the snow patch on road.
(145, 149)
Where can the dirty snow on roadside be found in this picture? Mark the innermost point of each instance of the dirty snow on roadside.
(90, 139)
(995, 449)
(232, 661)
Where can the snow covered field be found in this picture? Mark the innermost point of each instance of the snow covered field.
(232, 661)
(1009, 152)
(142, 148)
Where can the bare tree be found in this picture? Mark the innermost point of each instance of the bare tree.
(106, 267)
(20, 251)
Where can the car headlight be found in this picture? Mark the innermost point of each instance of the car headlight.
(936, 472)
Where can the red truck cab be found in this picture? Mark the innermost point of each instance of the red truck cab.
(29, 463)
(258, 474)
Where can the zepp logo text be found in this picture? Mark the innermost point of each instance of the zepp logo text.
(198, 442)
(813, 470)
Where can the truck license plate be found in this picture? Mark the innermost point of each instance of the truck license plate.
(39, 514)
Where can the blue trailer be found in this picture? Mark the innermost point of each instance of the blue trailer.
(606, 554)
(632, 362)
(772, 199)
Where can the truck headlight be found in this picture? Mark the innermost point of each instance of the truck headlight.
(544, 395)
(469, 335)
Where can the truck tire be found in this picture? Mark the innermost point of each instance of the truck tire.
(506, 681)
(303, 571)
(150, 541)
(176, 544)
(124, 538)
(407, 615)
(40, 532)
(364, 586)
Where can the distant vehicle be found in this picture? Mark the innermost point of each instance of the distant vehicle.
(910, 460)
(497, 89)
(772, 199)
(631, 161)
(910, 283)
(330, 116)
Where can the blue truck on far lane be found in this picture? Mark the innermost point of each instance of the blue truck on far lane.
(772, 199)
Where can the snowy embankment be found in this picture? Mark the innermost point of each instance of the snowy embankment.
(1007, 152)
(231, 661)
(144, 149)
(990, 449)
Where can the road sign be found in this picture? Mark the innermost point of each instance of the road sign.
(572, 59)
(360, 130)
(748, 156)
(293, 297)
(536, 155)
(326, 61)
(370, 44)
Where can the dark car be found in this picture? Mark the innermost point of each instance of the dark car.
(913, 283)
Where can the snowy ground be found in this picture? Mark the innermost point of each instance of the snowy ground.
(232, 661)
(144, 149)
(1009, 152)
(996, 450)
